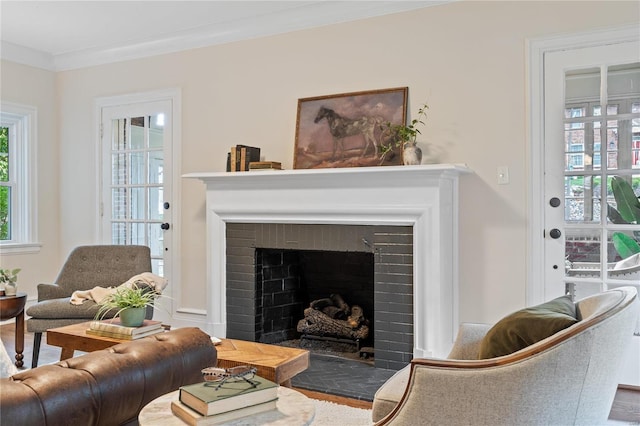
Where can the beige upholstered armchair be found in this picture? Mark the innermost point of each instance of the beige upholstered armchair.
(569, 378)
(86, 267)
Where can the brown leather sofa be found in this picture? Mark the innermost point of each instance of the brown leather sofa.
(107, 387)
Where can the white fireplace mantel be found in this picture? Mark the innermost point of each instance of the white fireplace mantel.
(425, 197)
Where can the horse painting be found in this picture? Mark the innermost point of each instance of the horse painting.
(342, 127)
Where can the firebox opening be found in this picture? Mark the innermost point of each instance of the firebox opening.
(288, 281)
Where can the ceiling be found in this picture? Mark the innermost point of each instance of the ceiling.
(61, 35)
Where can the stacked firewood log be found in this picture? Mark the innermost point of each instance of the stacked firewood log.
(333, 317)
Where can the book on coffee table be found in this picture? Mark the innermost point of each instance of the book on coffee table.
(207, 399)
(113, 325)
(113, 335)
(193, 418)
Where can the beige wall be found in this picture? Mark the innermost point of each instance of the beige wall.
(466, 59)
(35, 87)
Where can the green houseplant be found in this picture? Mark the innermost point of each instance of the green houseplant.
(402, 135)
(8, 280)
(627, 211)
(130, 304)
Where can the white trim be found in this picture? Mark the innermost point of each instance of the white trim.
(538, 48)
(25, 224)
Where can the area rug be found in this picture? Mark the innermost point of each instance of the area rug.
(332, 414)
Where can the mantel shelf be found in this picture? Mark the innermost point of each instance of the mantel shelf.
(360, 174)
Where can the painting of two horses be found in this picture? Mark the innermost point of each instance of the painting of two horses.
(349, 130)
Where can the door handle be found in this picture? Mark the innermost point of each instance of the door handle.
(555, 233)
(165, 226)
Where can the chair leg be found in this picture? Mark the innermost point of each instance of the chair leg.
(37, 338)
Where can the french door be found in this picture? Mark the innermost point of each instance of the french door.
(136, 205)
(592, 150)
(592, 137)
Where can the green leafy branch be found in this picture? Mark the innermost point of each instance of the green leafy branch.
(398, 134)
(627, 211)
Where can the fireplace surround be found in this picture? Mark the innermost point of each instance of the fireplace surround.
(424, 198)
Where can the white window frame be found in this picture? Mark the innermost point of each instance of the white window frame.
(22, 123)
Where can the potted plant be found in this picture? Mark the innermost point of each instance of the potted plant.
(8, 281)
(403, 135)
(130, 304)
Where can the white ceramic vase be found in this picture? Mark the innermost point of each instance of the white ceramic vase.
(10, 289)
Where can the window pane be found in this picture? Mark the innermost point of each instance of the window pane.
(119, 233)
(118, 203)
(156, 129)
(582, 251)
(119, 134)
(4, 154)
(156, 209)
(156, 239)
(137, 168)
(137, 133)
(157, 266)
(119, 169)
(137, 204)
(574, 137)
(5, 213)
(137, 234)
(582, 198)
(623, 210)
(156, 164)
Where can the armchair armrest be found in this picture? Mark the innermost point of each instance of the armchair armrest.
(487, 391)
(51, 291)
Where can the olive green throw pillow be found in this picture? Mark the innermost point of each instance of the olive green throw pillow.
(528, 326)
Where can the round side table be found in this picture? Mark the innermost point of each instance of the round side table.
(13, 307)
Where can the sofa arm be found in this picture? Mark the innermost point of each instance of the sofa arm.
(107, 387)
(468, 340)
(51, 291)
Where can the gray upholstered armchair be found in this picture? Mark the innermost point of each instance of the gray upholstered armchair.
(86, 267)
(569, 378)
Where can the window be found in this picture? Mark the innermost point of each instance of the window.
(18, 231)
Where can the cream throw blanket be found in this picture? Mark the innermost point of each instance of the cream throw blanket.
(98, 294)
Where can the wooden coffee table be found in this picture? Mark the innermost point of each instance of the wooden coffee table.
(276, 363)
(74, 337)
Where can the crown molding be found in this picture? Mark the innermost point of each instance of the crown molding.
(311, 15)
(26, 56)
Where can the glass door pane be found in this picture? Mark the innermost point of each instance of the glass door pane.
(137, 164)
(602, 178)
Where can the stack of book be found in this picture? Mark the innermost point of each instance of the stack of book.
(265, 165)
(203, 404)
(240, 156)
(114, 329)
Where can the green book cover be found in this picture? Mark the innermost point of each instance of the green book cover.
(232, 395)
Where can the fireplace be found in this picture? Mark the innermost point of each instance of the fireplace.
(308, 262)
(423, 199)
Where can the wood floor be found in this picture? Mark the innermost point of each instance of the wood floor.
(625, 409)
